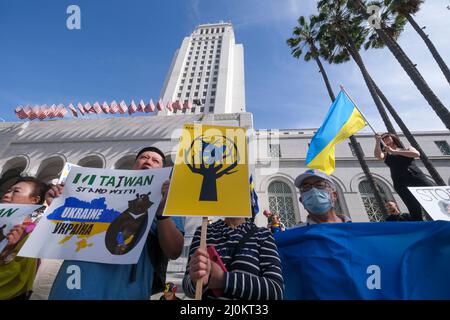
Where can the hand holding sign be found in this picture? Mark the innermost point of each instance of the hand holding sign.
(11, 228)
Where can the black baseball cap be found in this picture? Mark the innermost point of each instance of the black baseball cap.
(152, 149)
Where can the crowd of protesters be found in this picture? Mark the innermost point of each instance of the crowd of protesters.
(245, 263)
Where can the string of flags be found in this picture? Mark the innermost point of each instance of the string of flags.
(60, 111)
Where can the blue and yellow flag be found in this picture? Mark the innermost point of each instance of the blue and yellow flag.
(253, 198)
(342, 121)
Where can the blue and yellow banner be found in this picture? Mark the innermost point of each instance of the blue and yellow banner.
(383, 260)
(342, 121)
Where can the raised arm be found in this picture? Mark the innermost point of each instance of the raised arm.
(378, 153)
(170, 238)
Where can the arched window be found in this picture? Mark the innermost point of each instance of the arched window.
(340, 207)
(281, 201)
(370, 203)
(126, 163)
(50, 169)
(12, 170)
(169, 161)
(91, 162)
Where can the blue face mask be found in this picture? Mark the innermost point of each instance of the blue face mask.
(317, 201)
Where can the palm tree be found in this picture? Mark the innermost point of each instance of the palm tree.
(408, 8)
(339, 40)
(410, 68)
(305, 37)
(341, 37)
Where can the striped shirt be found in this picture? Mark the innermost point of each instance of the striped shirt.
(255, 273)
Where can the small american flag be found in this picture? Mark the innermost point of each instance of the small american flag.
(74, 111)
(141, 106)
(123, 107)
(150, 107)
(81, 108)
(177, 105)
(21, 113)
(43, 112)
(105, 107)
(63, 112)
(34, 113)
(160, 105)
(114, 108)
(51, 111)
(88, 108)
(96, 108)
(27, 110)
(132, 107)
(187, 104)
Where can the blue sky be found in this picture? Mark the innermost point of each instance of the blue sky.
(124, 50)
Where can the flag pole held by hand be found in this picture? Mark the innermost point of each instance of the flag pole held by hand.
(362, 114)
(199, 284)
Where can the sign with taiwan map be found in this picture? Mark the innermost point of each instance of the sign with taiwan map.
(102, 216)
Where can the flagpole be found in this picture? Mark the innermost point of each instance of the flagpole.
(354, 103)
(362, 114)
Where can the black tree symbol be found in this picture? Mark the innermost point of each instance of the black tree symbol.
(211, 172)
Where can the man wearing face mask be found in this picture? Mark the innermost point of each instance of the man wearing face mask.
(319, 197)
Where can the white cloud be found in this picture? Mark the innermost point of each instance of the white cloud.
(194, 13)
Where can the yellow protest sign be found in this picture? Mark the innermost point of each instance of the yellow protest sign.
(210, 176)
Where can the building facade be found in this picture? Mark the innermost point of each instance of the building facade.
(208, 70)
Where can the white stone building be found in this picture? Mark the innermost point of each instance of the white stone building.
(208, 68)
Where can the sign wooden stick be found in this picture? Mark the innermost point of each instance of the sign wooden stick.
(199, 285)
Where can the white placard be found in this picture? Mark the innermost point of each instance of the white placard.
(65, 172)
(11, 215)
(102, 216)
(435, 200)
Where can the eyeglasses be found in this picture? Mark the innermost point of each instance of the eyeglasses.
(318, 185)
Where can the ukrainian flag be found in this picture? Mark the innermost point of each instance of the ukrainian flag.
(342, 121)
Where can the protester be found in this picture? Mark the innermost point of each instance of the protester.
(251, 264)
(170, 292)
(17, 273)
(394, 212)
(112, 281)
(274, 222)
(319, 197)
(404, 171)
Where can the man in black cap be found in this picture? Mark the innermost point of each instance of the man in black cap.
(319, 197)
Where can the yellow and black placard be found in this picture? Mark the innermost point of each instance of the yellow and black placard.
(210, 176)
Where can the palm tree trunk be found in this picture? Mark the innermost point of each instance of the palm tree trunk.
(368, 174)
(431, 47)
(357, 57)
(356, 147)
(324, 74)
(410, 69)
(427, 163)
